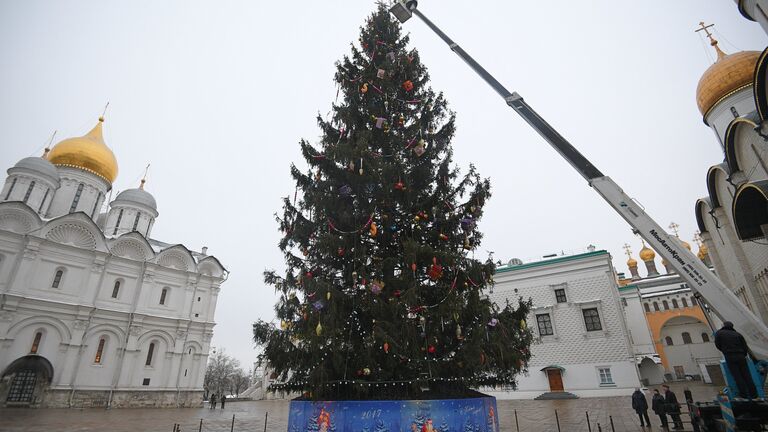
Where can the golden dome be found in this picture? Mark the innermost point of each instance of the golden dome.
(685, 244)
(646, 254)
(703, 251)
(88, 152)
(631, 262)
(731, 72)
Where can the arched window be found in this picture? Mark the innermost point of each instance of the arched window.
(29, 191)
(674, 304)
(647, 307)
(666, 304)
(96, 205)
(685, 302)
(163, 295)
(704, 337)
(36, 343)
(76, 200)
(655, 306)
(150, 354)
(693, 301)
(57, 278)
(117, 224)
(136, 221)
(116, 289)
(668, 340)
(42, 203)
(10, 189)
(687, 338)
(100, 351)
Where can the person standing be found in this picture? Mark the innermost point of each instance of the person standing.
(214, 398)
(672, 407)
(223, 399)
(640, 405)
(734, 348)
(657, 405)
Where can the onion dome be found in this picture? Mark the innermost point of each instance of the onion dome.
(89, 153)
(40, 167)
(703, 251)
(137, 196)
(631, 262)
(647, 254)
(729, 74)
(685, 243)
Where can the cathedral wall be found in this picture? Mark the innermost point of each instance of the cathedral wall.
(94, 188)
(721, 115)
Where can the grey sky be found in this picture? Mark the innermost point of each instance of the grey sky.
(216, 95)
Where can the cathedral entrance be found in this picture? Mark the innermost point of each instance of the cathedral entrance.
(24, 380)
(555, 380)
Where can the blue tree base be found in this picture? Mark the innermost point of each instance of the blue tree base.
(441, 415)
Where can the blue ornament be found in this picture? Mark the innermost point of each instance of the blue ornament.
(318, 305)
(393, 228)
(467, 223)
(345, 190)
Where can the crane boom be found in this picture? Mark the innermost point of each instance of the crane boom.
(722, 301)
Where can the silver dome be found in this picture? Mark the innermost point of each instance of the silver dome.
(139, 196)
(38, 166)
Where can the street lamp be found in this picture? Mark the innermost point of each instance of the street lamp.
(402, 10)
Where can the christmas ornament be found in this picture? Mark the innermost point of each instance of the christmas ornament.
(380, 73)
(386, 348)
(408, 85)
(431, 349)
(411, 315)
(380, 122)
(422, 321)
(443, 237)
(319, 329)
(400, 185)
(345, 190)
(284, 325)
(401, 120)
(482, 358)
(373, 230)
(393, 228)
(305, 251)
(459, 335)
(419, 149)
(435, 270)
(318, 305)
(413, 267)
(351, 165)
(467, 223)
(364, 88)
(391, 56)
(522, 325)
(377, 286)
(308, 275)
(340, 252)
(328, 295)
(493, 322)
(397, 293)
(366, 371)
(467, 244)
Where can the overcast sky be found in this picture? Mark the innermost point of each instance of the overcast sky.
(217, 94)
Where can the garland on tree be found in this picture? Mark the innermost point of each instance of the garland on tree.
(382, 296)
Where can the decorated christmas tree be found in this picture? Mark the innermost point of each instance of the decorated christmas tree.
(382, 296)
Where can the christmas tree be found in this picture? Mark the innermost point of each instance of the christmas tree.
(382, 296)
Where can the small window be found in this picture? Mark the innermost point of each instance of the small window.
(198, 299)
(36, 343)
(185, 372)
(29, 192)
(95, 206)
(560, 295)
(150, 354)
(10, 189)
(136, 221)
(693, 301)
(57, 278)
(76, 200)
(42, 203)
(545, 325)
(668, 341)
(685, 302)
(704, 337)
(734, 112)
(163, 296)
(190, 350)
(116, 289)
(674, 304)
(666, 304)
(592, 319)
(647, 307)
(99, 351)
(605, 375)
(687, 338)
(655, 306)
(197, 315)
(117, 224)
(145, 382)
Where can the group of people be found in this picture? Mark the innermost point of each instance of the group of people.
(661, 406)
(214, 398)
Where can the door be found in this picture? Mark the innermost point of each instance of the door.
(555, 380)
(22, 386)
(679, 372)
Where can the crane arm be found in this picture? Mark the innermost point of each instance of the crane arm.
(703, 281)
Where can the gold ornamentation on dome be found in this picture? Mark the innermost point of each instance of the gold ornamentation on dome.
(646, 253)
(729, 74)
(89, 153)
(631, 262)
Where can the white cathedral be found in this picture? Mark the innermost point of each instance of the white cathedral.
(93, 311)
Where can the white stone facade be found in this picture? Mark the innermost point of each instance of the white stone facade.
(97, 319)
(594, 358)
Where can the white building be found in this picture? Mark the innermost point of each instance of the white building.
(583, 345)
(93, 311)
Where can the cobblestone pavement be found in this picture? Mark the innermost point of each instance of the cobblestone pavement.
(533, 416)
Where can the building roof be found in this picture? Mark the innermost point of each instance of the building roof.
(559, 259)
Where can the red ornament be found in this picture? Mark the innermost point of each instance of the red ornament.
(386, 348)
(443, 237)
(396, 293)
(341, 251)
(308, 275)
(408, 85)
(413, 267)
(399, 185)
(431, 349)
(435, 270)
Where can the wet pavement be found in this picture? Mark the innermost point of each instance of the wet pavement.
(532, 416)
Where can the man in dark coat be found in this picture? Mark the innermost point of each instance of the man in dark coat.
(734, 348)
(223, 400)
(657, 405)
(640, 405)
(672, 407)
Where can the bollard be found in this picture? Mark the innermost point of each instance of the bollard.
(611, 419)
(589, 426)
(517, 425)
(266, 416)
(200, 429)
(232, 428)
(557, 419)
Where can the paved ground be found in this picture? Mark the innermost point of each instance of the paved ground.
(533, 416)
